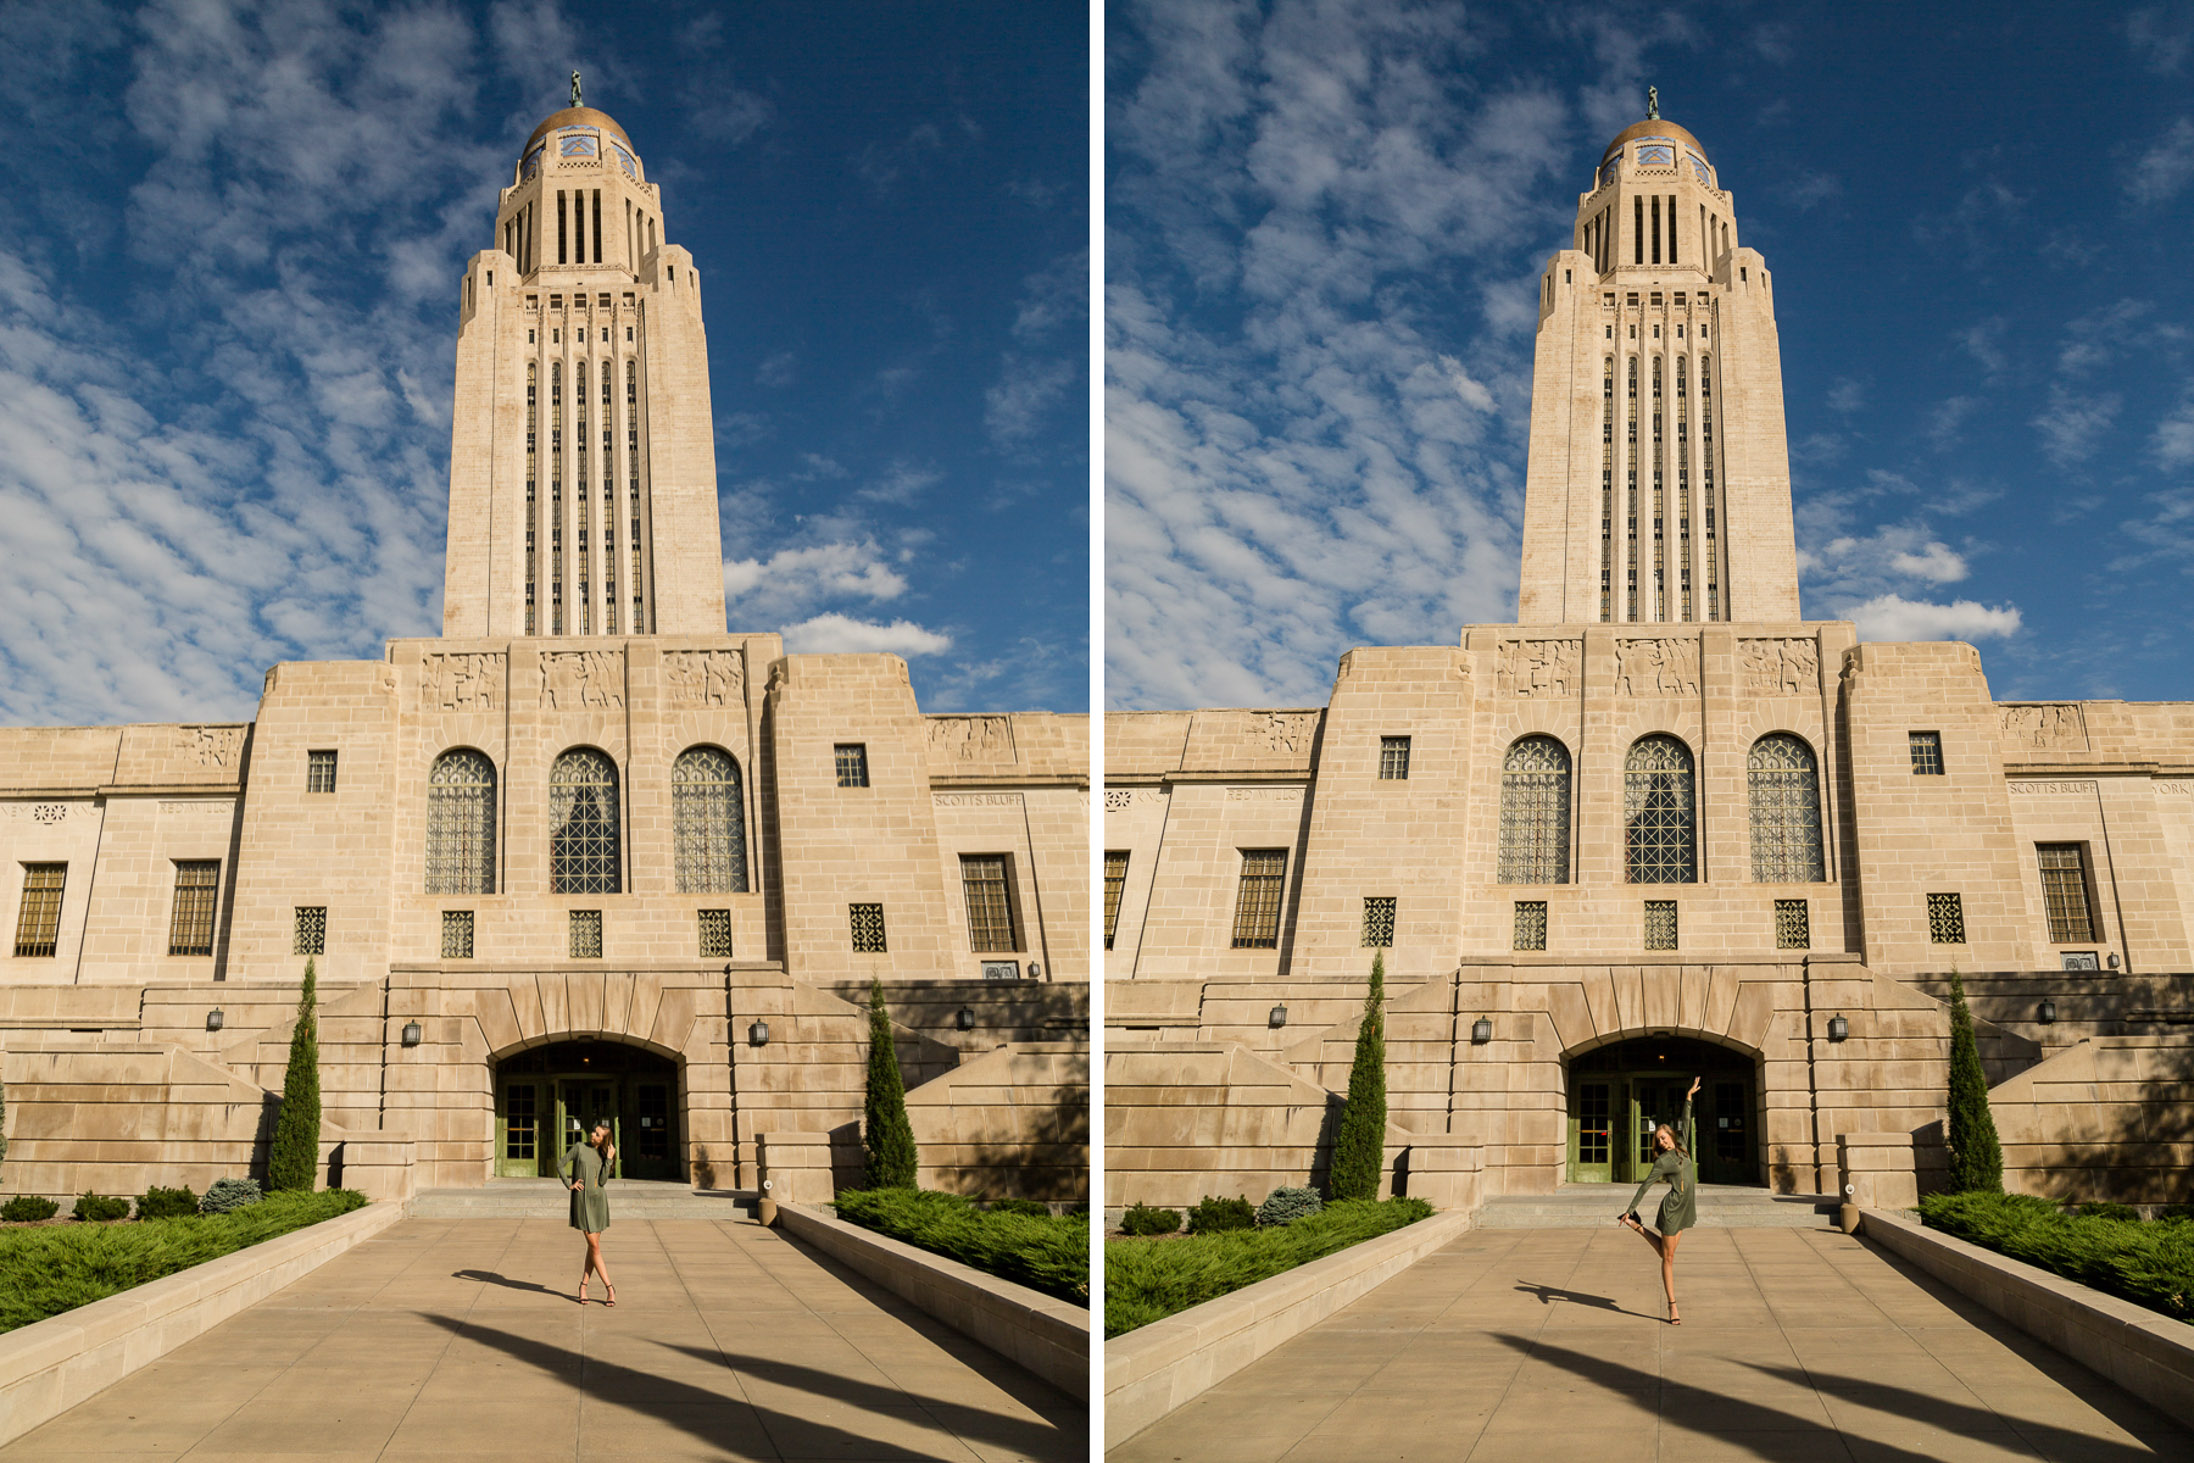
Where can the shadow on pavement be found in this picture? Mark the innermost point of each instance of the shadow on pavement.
(506, 1282)
(1548, 1294)
(1960, 1418)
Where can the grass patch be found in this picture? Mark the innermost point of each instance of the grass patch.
(2149, 1263)
(1050, 1254)
(52, 1269)
(1148, 1280)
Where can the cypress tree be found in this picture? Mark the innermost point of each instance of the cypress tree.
(1976, 1157)
(293, 1160)
(885, 1131)
(1359, 1149)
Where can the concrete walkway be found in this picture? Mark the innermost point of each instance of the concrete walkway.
(1549, 1345)
(458, 1339)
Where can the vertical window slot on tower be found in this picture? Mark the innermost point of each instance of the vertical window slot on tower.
(597, 226)
(1656, 228)
(1630, 493)
(1672, 228)
(562, 254)
(1638, 231)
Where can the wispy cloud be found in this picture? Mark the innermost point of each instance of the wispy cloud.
(2162, 172)
(2073, 424)
(1892, 617)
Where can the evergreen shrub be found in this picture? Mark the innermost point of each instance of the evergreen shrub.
(2151, 1265)
(159, 1203)
(1286, 1205)
(1359, 1148)
(1976, 1156)
(1033, 1208)
(1050, 1254)
(293, 1159)
(885, 1132)
(97, 1208)
(2102, 1209)
(227, 1195)
(1142, 1220)
(26, 1208)
(1219, 1216)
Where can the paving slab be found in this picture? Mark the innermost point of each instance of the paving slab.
(457, 1339)
(1798, 1346)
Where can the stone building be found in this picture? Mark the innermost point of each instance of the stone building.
(1661, 827)
(586, 854)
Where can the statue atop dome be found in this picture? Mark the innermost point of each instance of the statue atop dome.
(1653, 98)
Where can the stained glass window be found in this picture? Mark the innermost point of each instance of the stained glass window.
(461, 824)
(1660, 826)
(1786, 811)
(1379, 922)
(2064, 893)
(38, 922)
(1535, 813)
(1257, 902)
(708, 822)
(197, 887)
(583, 843)
(1945, 919)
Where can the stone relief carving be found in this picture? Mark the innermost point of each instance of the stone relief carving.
(1780, 667)
(1289, 731)
(211, 746)
(705, 677)
(1541, 667)
(1117, 799)
(2022, 785)
(977, 799)
(2057, 725)
(2176, 788)
(463, 681)
(1668, 667)
(574, 679)
(49, 813)
(972, 738)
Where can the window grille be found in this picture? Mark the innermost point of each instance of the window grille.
(1786, 812)
(456, 934)
(1793, 925)
(1530, 924)
(708, 822)
(319, 772)
(1660, 830)
(1945, 919)
(1927, 754)
(311, 936)
(1394, 759)
(1660, 924)
(1535, 813)
(38, 922)
(1379, 922)
(586, 934)
(868, 928)
(984, 878)
(1115, 884)
(1257, 903)
(2064, 893)
(197, 887)
(461, 824)
(715, 934)
(583, 846)
(852, 764)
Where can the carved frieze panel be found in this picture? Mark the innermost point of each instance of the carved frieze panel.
(1541, 667)
(211, 746)
(972, 738)
(574, 680)
(705, 677)
(1290, 731)
(2055, 726)
(461, 681)
(1666, 666)
(1783, 666)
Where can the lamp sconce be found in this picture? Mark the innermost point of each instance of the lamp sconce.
(1278, 1018)
(2113, 960)
(965, 1020)
(213, 1019)
(412, 1034)
(758, 1034)
(1481, 1031)
(1035, 971)
(2047, 1014)
(1838, 1028)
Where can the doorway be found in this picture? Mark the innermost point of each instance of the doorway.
(1619, 1093)
(547, 1098)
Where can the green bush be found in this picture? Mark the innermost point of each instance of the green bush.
(1050, 1254)
(1218, 1216)
(159, 1203)
(293, 1157)
(1142, 1220)
(227, 1195)
(1033, 1208)
(98, 1209)
(25, 1208)
(44, 1272)
(2149, 1264)
(2103, 1209)
(1145, 1283)
(2172, 1212)
(1285, 1206)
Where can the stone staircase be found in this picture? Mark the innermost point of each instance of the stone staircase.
(1721, 1206)
(549, 1199)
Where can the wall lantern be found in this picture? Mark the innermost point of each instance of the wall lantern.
(213, 1019)
(1035, 971)
(965, 1020)
(1278, 1018)
(758, 1034)
(412, 1033)
(1481, 1032)
(1838, 1028)
(2113, 960)
(2048, 1012)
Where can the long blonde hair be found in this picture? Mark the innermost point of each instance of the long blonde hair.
(606, 1147)
(1675, 1144)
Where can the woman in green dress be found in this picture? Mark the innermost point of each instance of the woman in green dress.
(586, 1169)
(1679, 1207)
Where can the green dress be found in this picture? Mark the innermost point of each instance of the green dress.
(1680, 1206)
(589, 1204)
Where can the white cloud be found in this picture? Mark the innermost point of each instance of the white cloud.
(2072, 425)
(836, 632)
(1893, 617)
(800, 576)
(2163, 171)
(1937, 563)
(2174, 440)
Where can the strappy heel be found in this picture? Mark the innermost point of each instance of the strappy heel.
(612, 1301)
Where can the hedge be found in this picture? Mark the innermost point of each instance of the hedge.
(1049, 1254)
(2150, 1264)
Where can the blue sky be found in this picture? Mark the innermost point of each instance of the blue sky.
(1324, 222)
(228, 311)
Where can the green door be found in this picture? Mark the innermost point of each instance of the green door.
(1590, 1132)
(580, 1102)
(1654, 1100)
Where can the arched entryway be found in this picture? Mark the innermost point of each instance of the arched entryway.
(547, 1096)
(1619, 1092)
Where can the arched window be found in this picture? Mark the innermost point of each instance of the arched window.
(1786, 811)
(583, 823)
(461, 824)
(708, 822)
(1660, 826)
(1535, 813)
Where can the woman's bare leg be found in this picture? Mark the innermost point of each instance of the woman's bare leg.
(1668, 1273)
(594, 1261)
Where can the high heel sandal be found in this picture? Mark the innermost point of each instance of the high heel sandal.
(612, 1301)
(582, 1292)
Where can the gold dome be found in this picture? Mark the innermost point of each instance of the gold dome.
(1652, 127)
(577, 117)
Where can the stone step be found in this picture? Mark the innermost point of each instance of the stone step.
(548, 1199)
(1720, 1206)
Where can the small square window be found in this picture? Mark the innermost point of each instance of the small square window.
(852, 764)
(715, 934)
(1379, 922)
(1927, 754)
(312, 930)
(1945, 919)
(867, 921)
(456, 934)
(586, 934)
(1793, 925)
(1530, 924)
(1660, 924)
(1394, 759)
(320, 772)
